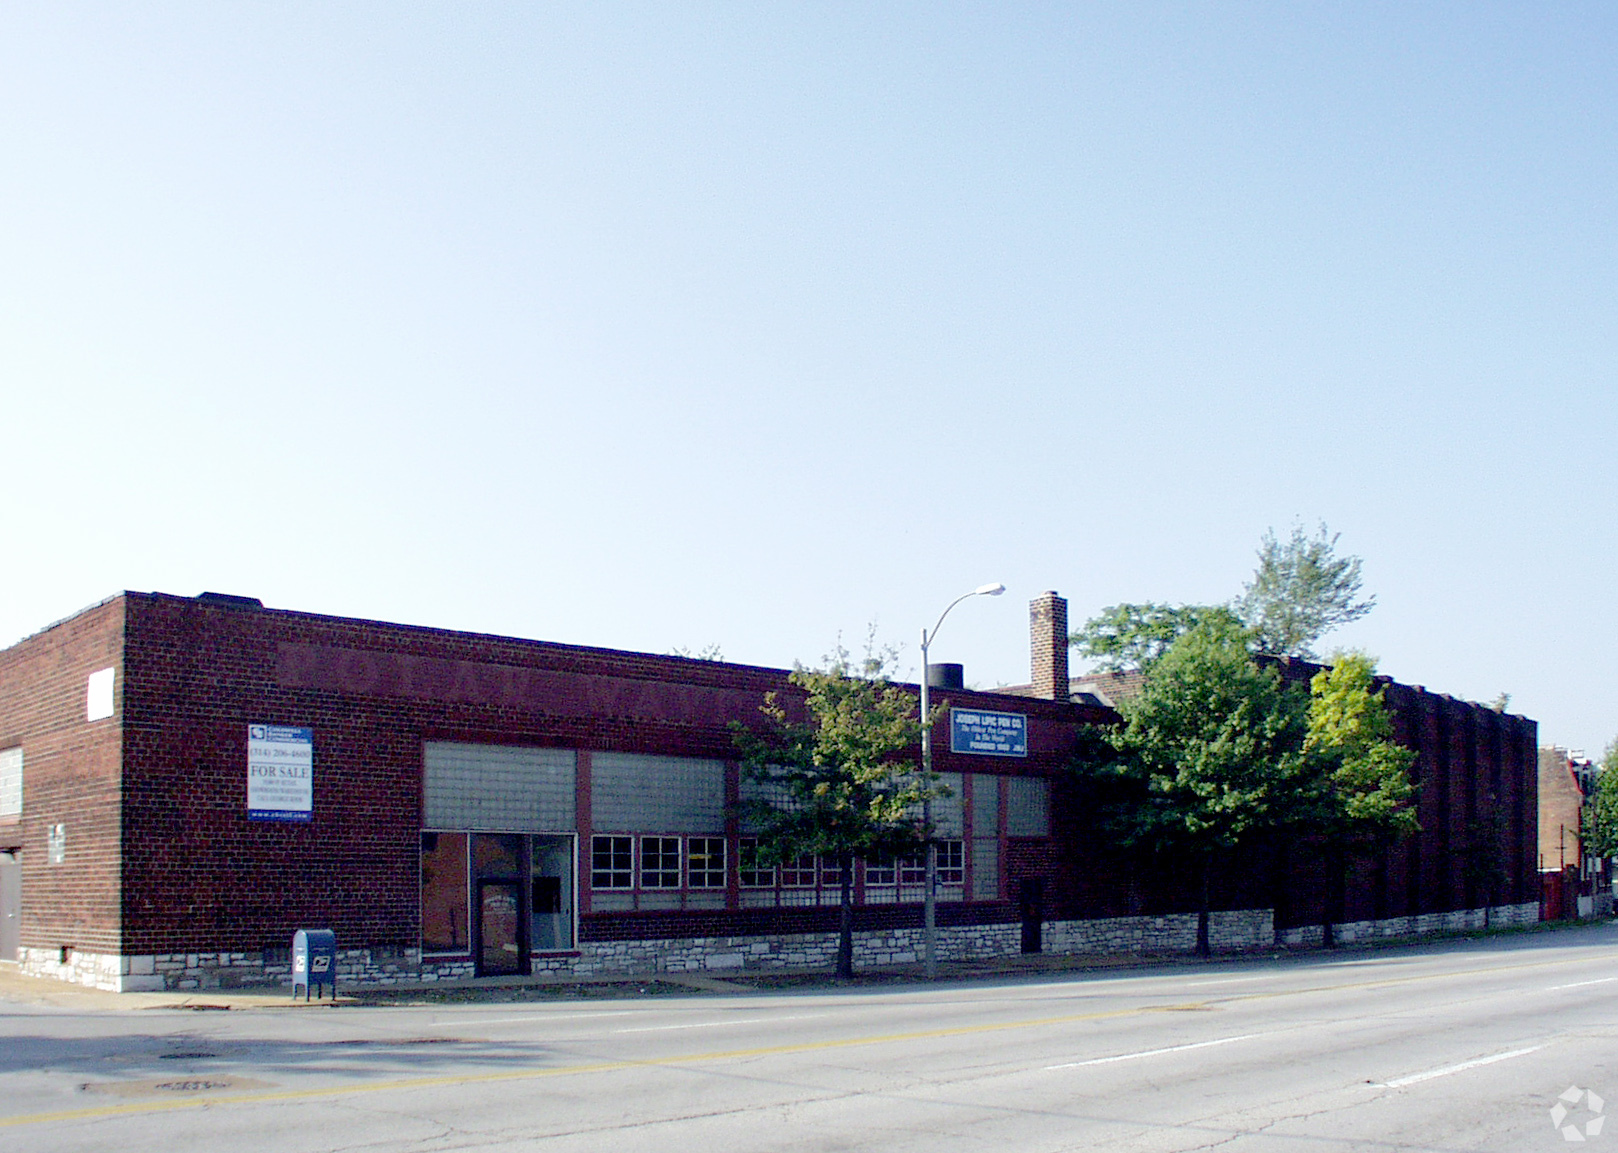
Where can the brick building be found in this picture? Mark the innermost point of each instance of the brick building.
(184, 782)
(1565, 781)
(1473, 862)
(1574, 883)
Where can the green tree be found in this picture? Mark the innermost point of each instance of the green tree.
(1301, 591)
(1212, 746)
(1365, 795)
(831, 784)
(1135, 636)
(1601, 810)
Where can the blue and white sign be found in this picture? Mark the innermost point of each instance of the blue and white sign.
(988, 734)
(280, 773)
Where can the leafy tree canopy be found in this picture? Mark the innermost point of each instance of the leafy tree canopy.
(1368, 773)
(832, 784)
(1135, 636)
(1601, 811)
(1301, 591)
(1215, 744)
(1210, 754)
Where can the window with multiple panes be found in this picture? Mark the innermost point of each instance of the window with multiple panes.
(913, 868)
(660, 862)
(755, 874)
(831, 874)
(882, 870)
(612, 862)
(798, 873)
(705, 862)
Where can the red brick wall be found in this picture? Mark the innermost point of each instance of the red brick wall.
(70, 777)
(200, 876)
(1476, 802)
(1561, 803)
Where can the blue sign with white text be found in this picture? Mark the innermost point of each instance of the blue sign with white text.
(988, 734)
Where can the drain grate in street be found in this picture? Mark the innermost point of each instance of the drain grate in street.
(191, 1086)
(185, 1056)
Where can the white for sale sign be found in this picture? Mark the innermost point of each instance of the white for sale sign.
(280, 773)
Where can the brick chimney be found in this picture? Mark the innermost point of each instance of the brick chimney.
(1047, 622)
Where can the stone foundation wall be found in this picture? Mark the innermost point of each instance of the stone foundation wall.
(97, 970)
(788, 951)
(180, 972)
(1454, 921)
(1230, 930)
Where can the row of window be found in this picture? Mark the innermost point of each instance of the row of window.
(699, 863)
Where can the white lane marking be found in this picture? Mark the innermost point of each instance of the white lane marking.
(1154, 1052)
(461, 1022)
(1399, 1082)
(1581, 984)
(717, 1024)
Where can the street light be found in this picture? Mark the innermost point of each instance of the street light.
(930, 896)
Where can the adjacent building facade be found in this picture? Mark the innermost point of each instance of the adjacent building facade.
(185, 782)
(1575, 884)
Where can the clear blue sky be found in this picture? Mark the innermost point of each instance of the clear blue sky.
(674, 325)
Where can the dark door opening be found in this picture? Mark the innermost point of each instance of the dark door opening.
(1031, 898)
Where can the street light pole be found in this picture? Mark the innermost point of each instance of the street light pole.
(929, 918)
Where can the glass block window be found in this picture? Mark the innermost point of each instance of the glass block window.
(612, 862)
(660, 862)
(705, 862)
(1028, 807)
(10, 783)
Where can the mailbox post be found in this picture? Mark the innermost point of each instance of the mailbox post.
(314, 962)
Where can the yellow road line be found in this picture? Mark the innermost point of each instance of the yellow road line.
(199, 1101)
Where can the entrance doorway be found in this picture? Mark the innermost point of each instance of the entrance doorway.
(551, 893)
(1031, 892)
(500, 931)
(500, 948)
(10, 905)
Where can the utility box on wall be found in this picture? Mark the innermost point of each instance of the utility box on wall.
(314, 961)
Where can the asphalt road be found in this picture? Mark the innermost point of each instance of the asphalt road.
(1458, 1046)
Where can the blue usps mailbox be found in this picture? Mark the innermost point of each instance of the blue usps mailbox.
(314, 961)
